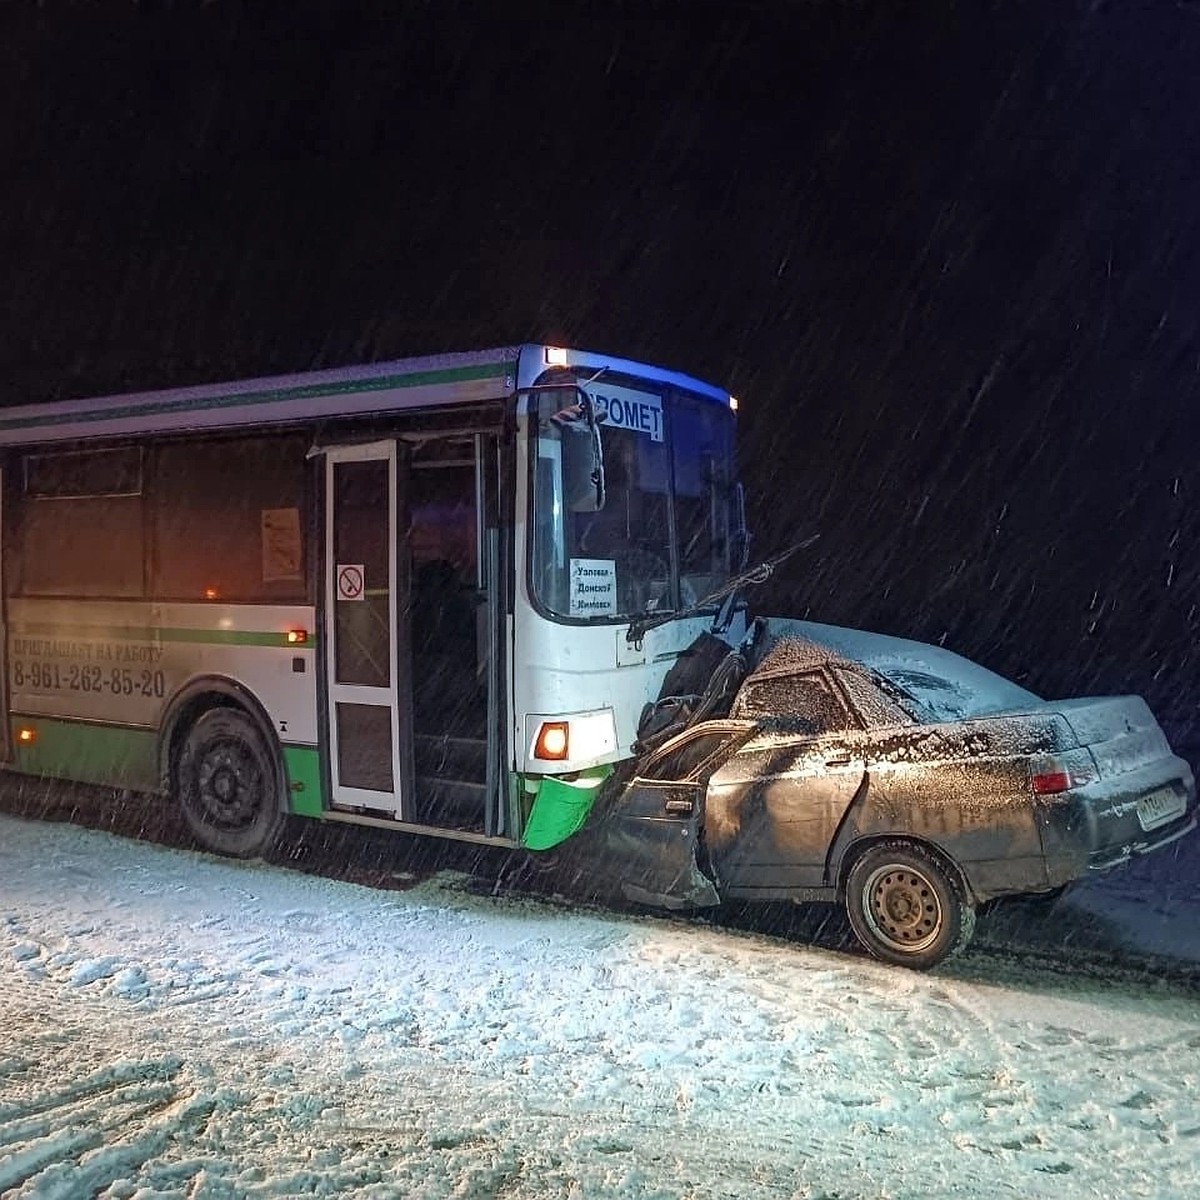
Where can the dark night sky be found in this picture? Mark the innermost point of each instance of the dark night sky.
(947, 254)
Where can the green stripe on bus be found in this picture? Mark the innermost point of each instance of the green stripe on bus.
(127, 757)
(303, 766)
(146, 633)
(231, 637)
(235, 399)
(111, 755)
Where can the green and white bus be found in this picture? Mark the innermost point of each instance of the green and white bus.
(397, 594)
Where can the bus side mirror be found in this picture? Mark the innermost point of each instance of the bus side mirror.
(583, 459)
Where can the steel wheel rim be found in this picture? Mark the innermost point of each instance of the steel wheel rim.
(903, 908)
(229, 785)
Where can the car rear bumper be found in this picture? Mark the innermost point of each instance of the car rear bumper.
(1109, 857)
(1105, 824)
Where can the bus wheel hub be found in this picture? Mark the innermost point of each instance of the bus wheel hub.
(225, 785)
(228, 785)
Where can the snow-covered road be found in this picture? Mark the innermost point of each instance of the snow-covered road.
(174, 1025)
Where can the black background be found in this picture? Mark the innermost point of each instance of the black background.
(947, 255)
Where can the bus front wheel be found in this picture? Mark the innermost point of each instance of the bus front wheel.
(227, 782)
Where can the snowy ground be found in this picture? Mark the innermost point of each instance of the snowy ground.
(175, 1025)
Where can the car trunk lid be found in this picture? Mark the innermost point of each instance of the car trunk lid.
(1120, 732)
(1141, 794)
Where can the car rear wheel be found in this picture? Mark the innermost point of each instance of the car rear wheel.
(906, 906)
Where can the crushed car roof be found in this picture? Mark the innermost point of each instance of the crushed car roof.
(949, 686)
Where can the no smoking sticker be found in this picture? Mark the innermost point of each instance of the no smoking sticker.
(350, 578)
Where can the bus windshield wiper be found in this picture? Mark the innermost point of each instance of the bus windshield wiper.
(727, 593)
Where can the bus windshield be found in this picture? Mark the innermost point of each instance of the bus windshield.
(659, 533)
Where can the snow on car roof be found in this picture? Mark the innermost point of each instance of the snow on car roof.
(947, 685)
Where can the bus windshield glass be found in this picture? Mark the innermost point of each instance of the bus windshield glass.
(659, 533)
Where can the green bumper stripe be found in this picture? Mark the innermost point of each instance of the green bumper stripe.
(560, 809)
(112, 755)
(303, 766)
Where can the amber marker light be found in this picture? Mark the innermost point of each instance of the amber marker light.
(210, 593)
(297, 637)
(26, 736)
(553, 741)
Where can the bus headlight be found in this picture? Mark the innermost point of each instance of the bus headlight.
(553, 741)
(580, 739)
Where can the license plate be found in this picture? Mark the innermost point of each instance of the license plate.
(1158, 808)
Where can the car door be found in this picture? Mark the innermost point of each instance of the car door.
(652, 829)
(773, 809)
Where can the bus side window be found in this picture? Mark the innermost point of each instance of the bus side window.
(228, 519)
(81, 526)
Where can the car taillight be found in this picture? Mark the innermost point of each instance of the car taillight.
(1049, 782)
(1051, 774)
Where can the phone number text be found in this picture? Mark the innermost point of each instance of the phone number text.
(108, 681)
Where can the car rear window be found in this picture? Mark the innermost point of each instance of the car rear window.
(944, 699)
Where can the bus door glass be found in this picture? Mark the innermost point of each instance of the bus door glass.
(365, 734)
(452, 612)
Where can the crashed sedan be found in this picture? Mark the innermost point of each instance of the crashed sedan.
(906, 782)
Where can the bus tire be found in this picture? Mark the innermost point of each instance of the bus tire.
(227, 781)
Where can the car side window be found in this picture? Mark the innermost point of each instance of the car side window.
(683, 763)
(808, 697)
(877, 702)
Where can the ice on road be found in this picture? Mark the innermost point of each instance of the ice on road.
(174, 1025)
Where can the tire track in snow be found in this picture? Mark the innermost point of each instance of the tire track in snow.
(434, 1043)
(989, 1077)
(114, 1114)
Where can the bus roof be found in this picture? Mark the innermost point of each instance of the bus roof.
(375, 388)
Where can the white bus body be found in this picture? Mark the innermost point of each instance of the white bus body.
(377, 594)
